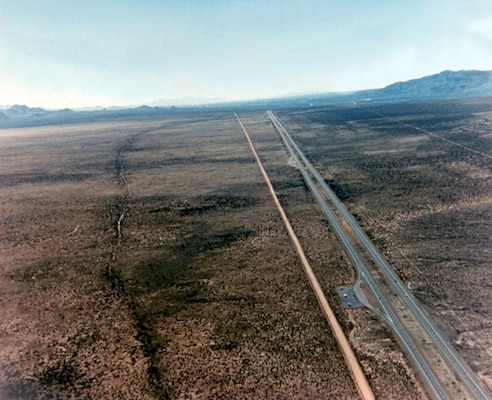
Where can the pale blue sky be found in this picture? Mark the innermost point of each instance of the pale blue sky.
(71, 53)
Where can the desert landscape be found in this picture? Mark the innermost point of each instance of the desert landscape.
(142, 256)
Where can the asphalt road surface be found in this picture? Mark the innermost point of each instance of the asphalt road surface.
(333, 207)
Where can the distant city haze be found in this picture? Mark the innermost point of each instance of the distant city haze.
(58, 53)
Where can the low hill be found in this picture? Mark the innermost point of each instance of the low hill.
(22, 111)
(443, 86)
(447, 85)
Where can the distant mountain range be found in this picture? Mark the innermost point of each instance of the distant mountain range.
(22, 111)
(446, 85)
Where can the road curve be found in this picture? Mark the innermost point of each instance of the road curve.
(355, 369)
(432, 383)
(453, 359)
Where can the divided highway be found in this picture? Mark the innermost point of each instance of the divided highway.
(353, 365)
(408, 335)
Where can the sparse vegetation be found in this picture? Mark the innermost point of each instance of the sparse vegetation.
(201, 294)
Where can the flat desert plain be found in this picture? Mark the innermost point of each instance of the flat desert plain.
(143, 257)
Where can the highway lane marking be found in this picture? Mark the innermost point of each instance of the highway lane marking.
(354, 367)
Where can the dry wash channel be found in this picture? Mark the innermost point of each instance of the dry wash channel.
(219, 302)
(203, 295)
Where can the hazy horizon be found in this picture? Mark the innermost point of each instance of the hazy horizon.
(58, 54)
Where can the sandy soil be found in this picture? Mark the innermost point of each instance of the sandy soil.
(202, 295)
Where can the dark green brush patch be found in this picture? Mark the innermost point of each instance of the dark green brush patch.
(340, 190)
(41, 177)
(146, 333)
(63, 373)
(167, 283)
(202, 242)
(176, 266)
(204, 204)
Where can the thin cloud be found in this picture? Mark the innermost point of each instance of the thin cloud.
(117, 52)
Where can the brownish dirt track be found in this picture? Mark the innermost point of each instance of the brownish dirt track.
(360, 380)
(202, 295)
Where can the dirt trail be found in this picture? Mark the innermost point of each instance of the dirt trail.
(358, 376)
(481, 153)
